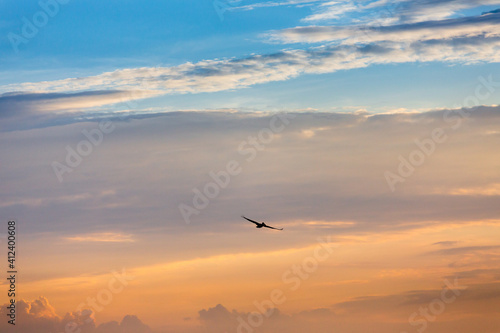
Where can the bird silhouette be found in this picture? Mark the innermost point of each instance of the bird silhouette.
(260, 224)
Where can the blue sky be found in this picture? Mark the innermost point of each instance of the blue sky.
(85, 39)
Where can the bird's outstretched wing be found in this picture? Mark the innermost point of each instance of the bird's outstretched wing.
(266, 226)
(250, 220)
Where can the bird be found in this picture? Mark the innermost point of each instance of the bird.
(260, 224)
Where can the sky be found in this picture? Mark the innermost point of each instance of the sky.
(134, 135)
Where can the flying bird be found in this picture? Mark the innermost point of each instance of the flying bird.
(260, 224)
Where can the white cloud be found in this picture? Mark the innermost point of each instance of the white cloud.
(332, 10)
(266, 4)
(424, 10)
(403, 11)
(463, 40)
(220, 75)
(486, 25)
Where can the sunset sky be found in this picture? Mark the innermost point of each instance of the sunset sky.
(134, 135)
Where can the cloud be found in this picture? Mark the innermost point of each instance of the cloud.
(409, 301)
(491, 12)
(22, 110)
(266, 4)
(423, 10)
(445, 243)
(33, 104)
(341, 181)
(37, 308)
(466, 250)
(149, 166)
(377, 314)
(487, 190)
(129, 324)
(219, 319)
(463, 40)
(329, 224)
(382, 312)
(39, 316)
(333, 10)
(484, 25)
(484, 274)
(98, 195)
(106, 237)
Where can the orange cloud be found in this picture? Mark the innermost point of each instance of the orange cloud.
(108, 237)
(39, 316)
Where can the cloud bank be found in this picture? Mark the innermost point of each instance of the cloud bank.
(39, 316)
(377, 313)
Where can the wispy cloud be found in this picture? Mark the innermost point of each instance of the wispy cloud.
(391, 10)
(329, 224)
(466, 250)
(333, 10)
(445, 243)
(40, 316)
(62, 200)
(488, 190)
(105, 237)
(252, 6)
(419, 31)
(484, 25)
(220, 75)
